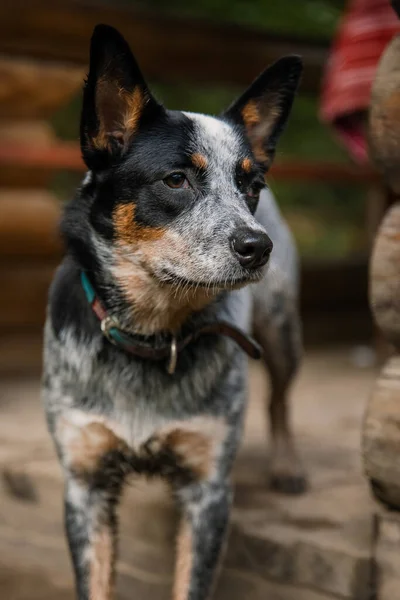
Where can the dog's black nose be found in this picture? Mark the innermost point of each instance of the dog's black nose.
(251, 248)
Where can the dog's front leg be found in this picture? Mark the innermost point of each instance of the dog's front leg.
(200, 540)
(90, 522)
(94, 467)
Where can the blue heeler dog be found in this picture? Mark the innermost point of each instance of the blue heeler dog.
(150, 312)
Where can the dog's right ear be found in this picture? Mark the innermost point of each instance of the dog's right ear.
(115, 99)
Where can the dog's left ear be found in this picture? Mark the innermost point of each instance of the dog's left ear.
(116, 99)
(265, 106)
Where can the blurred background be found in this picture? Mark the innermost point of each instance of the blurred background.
(198, 56)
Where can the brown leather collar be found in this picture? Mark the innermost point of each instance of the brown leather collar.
(150, 347)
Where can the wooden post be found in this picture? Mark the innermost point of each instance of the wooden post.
(381, 428)
(381, 439)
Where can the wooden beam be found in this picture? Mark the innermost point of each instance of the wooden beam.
(169, 49)
(322, 172)
(24, 293)
(67, 156)
(29, 226)
(56, 157)
(35, 133)
(32, 89)
(21, 351)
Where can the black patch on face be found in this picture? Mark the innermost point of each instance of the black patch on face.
(162, 148)
(103, 206)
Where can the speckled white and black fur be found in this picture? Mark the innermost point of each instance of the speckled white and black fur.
(111, 413)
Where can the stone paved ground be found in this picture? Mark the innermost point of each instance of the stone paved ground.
(311, 548)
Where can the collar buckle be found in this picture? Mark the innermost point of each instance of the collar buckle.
(173, 357)
(108, 323)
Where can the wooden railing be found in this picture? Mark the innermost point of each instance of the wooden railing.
(67, 156)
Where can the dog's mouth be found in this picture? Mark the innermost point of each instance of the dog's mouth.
(229, 283)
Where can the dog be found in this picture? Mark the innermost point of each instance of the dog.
(169, 268)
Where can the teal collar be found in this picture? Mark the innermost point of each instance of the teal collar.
(150, 347)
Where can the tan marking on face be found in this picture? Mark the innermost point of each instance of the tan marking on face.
(101, 565)
(155, 307)
(247, 165)
(118, 111)
(84, 446)
(184, 562)
(128, 231)
(199, 161)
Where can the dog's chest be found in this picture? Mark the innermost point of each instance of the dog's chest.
(182, 448)
(151, 422)
(133, 398)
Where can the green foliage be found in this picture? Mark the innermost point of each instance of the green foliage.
(306, 137)
(66, 121)
(313, 18)
(328, 221)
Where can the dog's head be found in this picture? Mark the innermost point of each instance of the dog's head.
(174, 193)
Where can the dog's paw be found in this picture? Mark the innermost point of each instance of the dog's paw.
(286, 472)
(291, 484)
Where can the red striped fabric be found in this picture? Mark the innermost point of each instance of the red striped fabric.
(365, 30)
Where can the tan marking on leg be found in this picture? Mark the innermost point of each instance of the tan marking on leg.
(101, 572)
(184, 561)
(130, 232)
(84, 446)
(195, 443)
(199, 161)
(247, 165)
(194, 451)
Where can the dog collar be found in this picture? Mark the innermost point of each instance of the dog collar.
(148, 346)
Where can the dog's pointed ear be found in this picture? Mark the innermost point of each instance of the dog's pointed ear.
(264, 107)
(115, 99)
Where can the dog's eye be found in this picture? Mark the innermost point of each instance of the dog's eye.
(176, 180)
